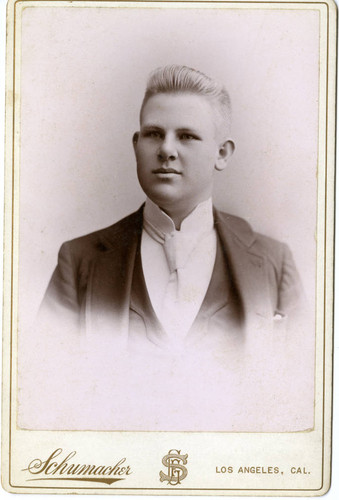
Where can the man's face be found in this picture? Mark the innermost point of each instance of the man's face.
(177, 150)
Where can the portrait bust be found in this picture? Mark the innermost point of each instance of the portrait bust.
(180, 280)
(177, 270)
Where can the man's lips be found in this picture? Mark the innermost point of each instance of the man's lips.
(166, 171)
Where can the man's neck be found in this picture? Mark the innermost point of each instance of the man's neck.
(178, 216)
(177, 219)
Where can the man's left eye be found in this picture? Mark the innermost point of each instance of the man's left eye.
(188, 137)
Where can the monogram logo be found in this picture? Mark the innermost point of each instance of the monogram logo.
(176, 470)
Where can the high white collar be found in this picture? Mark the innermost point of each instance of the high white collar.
(197, 223)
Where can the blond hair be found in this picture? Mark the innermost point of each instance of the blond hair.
(182, 79)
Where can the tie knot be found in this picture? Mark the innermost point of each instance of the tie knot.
(178, 247)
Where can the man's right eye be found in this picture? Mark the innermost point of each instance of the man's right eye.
(153, 134)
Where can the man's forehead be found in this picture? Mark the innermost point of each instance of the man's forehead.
(187, 97)
(177, 105)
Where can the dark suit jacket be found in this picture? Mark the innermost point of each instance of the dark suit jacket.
(91, 285)
(262, 382)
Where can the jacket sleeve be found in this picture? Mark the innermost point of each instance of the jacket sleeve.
(291, 297)
(61, 302)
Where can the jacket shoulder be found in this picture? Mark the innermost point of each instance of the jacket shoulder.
(257, 242)
(107, 238)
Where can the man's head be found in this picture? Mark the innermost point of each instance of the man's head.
(183, 138)
(181, 79)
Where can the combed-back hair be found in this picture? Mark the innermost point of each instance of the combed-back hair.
(180, 79)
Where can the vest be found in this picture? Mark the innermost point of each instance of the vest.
(218, 323)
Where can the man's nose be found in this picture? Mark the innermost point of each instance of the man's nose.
(167, 149)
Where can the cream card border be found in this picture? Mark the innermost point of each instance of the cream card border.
(207, 451)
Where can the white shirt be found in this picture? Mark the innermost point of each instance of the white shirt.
(195, 250)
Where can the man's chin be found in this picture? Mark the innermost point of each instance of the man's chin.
(172, 203)
(164, 195)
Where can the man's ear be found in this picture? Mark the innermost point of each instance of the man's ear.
(224, 154)
(135, 139)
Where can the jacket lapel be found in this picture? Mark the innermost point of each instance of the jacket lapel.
(248, 265)
(108, 297)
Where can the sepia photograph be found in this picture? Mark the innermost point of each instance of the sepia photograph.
(188, 290)
(169, 217)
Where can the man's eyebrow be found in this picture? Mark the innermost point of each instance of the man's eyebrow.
(188, 129)
(151, 126)
(182, 129)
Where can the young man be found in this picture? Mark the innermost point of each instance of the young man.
(177, 272)
(184, 318)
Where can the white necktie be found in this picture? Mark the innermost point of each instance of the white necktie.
(171, 315)
(172, 306)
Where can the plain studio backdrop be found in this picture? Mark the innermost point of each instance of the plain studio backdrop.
(83, 73)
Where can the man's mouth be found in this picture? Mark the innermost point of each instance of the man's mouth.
(166, 171)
